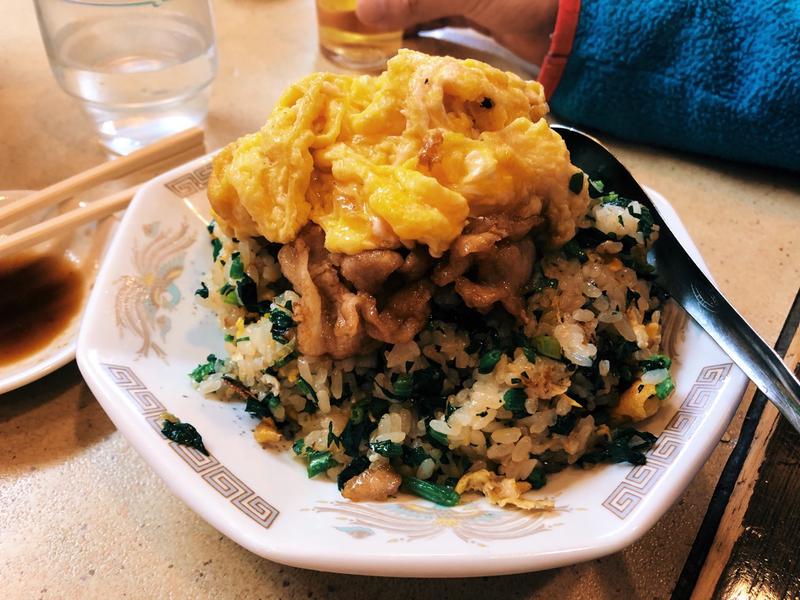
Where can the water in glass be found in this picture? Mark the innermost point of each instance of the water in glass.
(141, 77)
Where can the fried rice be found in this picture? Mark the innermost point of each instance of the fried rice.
(476, 400)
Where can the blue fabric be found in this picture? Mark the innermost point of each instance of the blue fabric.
(718, 77)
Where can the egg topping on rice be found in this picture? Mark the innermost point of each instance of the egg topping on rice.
(420, 293)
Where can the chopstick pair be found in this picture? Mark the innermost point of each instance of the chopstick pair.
(187, 144)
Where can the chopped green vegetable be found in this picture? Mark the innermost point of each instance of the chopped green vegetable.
(514, 399)
(353, 433)
(437, 437)
(403, 385)
(298, 446)
(307, 391)
(596, 188)
(356, 467)
(538, 478)
(547, 346)
(211, 225)
(260, 409)
(182, 433)
(413, 457)
(216, 247)
(627, 445)
(247, 292)
(564, 424)
(439, 494)
(229, 296)
(282, 321)
(655, 362)
(646, 221)
(202, 291)
(282, 361)
(319, 462)
(576, 182)
(387, 448)
(665, 388)
(237, 268)
(332, 437)
(203, 370)
(228, 337)
(573, 250)
(488, 361)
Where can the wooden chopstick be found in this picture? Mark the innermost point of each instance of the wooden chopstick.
(92, 211)
(112, 169)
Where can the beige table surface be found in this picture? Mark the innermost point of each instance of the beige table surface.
(82, 516)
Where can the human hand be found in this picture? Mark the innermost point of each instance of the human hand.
(523, 26)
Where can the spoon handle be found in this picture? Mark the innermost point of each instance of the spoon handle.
(712, 311)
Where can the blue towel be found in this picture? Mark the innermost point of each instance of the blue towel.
(718, 77)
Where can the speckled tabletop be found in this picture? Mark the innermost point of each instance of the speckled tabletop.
(83, 516)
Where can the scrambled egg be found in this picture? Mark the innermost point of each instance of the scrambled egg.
(501, 490)
(396, 159)
(638, 402)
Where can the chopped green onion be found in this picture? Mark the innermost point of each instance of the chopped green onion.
(306, 389)
(547, 346)
(237, 268)
(319, 462)
(298, 446)
(655, 362)
(202, 291)
(216, 247)
(203, 370)
(387, 448)
(403, 385)
(282, 361)
(413, 457)
(488, 361)
(665, 388)
(514, 399)
(437, 436)
(439, 494)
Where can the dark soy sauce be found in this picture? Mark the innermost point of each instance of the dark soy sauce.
(39, 297)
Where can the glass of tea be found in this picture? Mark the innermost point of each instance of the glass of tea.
(348, 42)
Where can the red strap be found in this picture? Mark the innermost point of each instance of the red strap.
(560, 45)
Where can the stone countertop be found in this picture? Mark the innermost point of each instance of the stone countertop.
(82, 515)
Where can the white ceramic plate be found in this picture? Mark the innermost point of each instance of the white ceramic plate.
(83, 248)
(143, 333)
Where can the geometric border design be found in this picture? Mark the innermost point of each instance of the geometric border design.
(640, 479)
(214, 473)
(190, 183)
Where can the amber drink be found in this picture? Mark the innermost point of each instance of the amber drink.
(350, 43)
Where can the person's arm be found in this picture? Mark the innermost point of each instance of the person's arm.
(718, 77)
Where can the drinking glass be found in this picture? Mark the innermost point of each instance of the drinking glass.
(142, 70)
(350, 43)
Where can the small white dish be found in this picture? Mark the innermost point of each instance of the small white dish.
(143, 333)
(83, 247)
